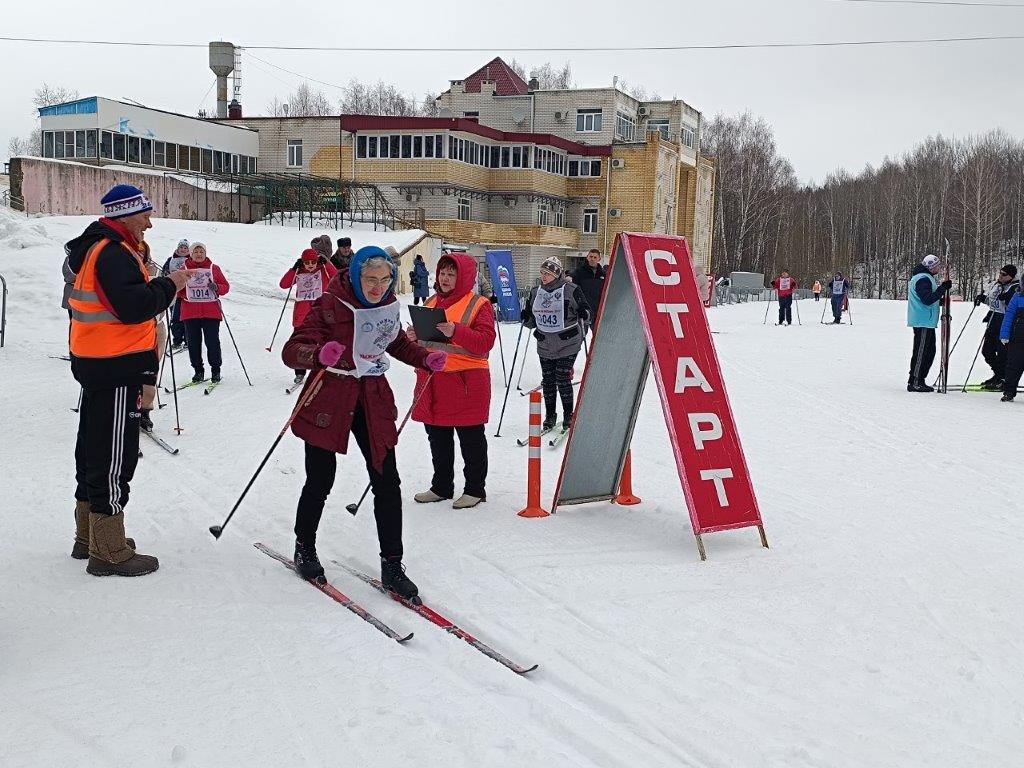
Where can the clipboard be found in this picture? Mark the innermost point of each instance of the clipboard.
(425, 320)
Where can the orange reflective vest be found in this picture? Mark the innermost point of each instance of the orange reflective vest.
(463, 312)
(95, 330)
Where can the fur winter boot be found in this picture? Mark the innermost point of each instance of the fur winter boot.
(80, 551)
(109, 553)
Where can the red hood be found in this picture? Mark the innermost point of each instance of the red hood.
(464, 283)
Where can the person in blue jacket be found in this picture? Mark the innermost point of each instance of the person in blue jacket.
(420, 277)
(924, 298)
(1012, 335)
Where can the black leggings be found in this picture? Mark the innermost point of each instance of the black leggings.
(473, 442)
(556, 379)
(195, 331)
(321, 467)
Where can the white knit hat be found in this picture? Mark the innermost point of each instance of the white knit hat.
(930, 260)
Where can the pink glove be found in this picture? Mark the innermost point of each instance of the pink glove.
(436, 360)
(330, 353)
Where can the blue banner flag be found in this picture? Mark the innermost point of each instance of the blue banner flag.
(503, 282)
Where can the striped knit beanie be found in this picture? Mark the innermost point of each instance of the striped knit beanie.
(125, 200)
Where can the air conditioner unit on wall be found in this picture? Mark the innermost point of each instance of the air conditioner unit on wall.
(560, 116)
(641, 112)
(614, 213)
(618, 162)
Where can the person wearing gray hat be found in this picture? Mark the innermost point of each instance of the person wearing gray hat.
(997, 297)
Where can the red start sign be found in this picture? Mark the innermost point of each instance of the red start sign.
(707, 446)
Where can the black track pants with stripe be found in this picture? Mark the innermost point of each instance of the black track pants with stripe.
(107, 449)
(923, 354)
(556, 381)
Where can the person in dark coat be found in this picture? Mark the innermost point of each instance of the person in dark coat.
(997, 297)
(420, 278)
(838, 290)
(1011, 335)
(457, 399)
(349, 333)
(175, 262)
(343, 255)
(590, 278)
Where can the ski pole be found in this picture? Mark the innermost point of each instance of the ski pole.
(849, 308)
(980, 345)
(523, 367)
(796, 300)
(501, 350)
(160, 377)
(966, 323)
(504, 404)
(280, 316)
(824, 306)
(174, 381)
(767, 308)
(353, 508)
(311, 389)
(78, 407)
(225, 317)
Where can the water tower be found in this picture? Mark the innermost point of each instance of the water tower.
(222, 62)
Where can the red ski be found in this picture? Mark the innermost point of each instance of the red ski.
(435, 618)
(332, 592)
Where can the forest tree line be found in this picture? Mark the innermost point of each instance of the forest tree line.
(957, 197)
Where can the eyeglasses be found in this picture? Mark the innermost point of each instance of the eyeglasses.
(375, 282)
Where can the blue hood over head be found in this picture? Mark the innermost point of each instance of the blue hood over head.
(355, 270)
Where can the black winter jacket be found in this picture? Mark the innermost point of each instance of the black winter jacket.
(125, 291)
(591, 281)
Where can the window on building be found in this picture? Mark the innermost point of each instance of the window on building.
(438, 145)
(47, 143)
(171, 160)
(625, 126)
(79, 144)
(134, 149)
(147, 152)
(559, 216)
(687, 136)
(218, 162)
(465, 211)
(207, 161)
(659, 126)
(69, 143)
(90, 143)
(406, 147)
(195, 158)
(106, 144)
(428, 146)
(394, 146)
(361, 142)
(590, 221)
(495, 157)
(471, 114)
(588, 120)
(294, 153)
(159, 154)
(58, 145)
(543, 210)
(384, 147)
(417, 146)
(371, 143)
(120, 147)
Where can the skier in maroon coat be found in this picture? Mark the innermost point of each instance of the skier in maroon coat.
(350, 331)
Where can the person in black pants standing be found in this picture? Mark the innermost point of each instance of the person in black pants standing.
(997, 297)
(590, 278)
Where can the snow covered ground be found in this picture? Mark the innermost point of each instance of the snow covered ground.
(884, 626)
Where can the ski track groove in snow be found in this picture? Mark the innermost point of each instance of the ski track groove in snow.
(883, 627)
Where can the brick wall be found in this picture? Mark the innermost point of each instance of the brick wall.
(315, 133)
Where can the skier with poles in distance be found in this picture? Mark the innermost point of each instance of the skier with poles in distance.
(457, 399)
(149, 390)
(924, 299)
(1011, 335)
(113, 345)
(558, 311)
(816, 290)
(348, 334)
(997, 298)
(419, 276)
(201, 312)
(784, 286)
(175, 262)
(309, 277)
(838, 289)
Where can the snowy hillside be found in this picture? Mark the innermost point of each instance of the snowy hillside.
(883, 628)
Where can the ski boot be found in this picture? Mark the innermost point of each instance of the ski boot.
(215, 376)
(567, 423)
(145, 422)
(918, 385)
(307, 564)
(995, 384)
(549, 422)
(299, 377)
(1006, 399)
(392, 576)
(198, 376)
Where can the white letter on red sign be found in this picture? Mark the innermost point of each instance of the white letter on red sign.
(670, 279)
(701, 436)
(674, 311)
(684, 379)
(718, 475)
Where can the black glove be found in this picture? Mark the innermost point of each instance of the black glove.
(298, 264)
(493, 299)
(979, 298)
(524, 315)
(946, 285)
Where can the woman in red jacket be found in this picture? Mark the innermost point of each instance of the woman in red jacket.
(309, 276)
(349, 332)
(200, 311)
(458, 398)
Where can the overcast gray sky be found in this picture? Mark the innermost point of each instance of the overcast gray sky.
(830, 107)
